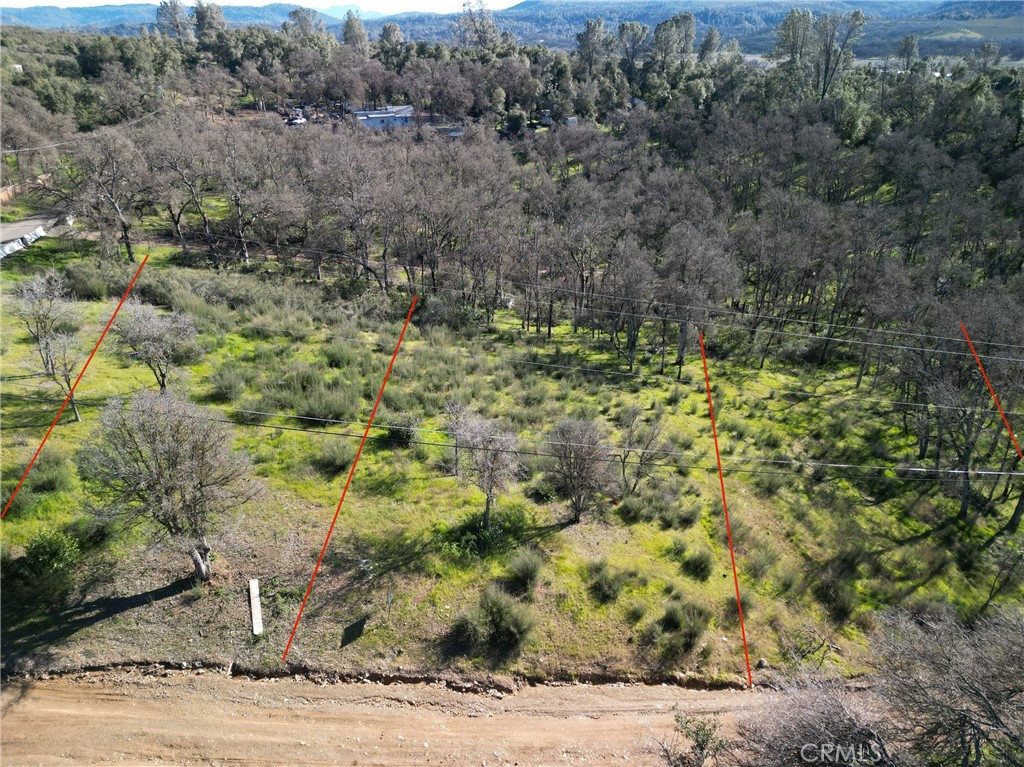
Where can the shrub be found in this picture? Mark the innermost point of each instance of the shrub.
(760, 561)
(469, 538)
(289, 323)
(769, 438)
(703, 744)
(49, 559)
(540, 488)
(335, 456)
(677, 549)
(635, 612)
(524, 571)
(51, 474)
(400, 430)
(95, 280)
(91, 532)
(680, 517)
(675, 396)
(228, 383)
(535, 395)
(605, 583)
(631, 509)
(498, 625)
(730, 610)
(698, 565)
(790, 580)
(686, 623)
(341, 354)
(51, 552)
(735, 426)
(328, 405)
(771, 482)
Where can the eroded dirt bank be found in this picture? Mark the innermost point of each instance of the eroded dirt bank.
(145, 717)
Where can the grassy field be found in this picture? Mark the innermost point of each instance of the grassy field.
(641, 587)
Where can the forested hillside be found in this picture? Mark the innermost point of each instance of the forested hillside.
(944, 28)
(540, 493)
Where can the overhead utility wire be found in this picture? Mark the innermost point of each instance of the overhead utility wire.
(795, 462)
(920, 470)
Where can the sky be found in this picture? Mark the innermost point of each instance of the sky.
(381, 6)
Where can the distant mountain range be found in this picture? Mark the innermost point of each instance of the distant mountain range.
(944, 27)
(115, 18)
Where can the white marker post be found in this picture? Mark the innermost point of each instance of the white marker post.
(254, 605)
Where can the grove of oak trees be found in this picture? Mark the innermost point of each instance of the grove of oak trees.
(811, 211)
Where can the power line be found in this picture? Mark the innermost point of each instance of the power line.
(798, 463)
(929, 474)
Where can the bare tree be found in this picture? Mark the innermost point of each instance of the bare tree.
(819, 716)
(164, 461)
(106, 183)
(492, 462)
(44, 306)
(957, 693)
(640, 447)
(456, 414)
(159, 341)
(579, 463)
(64, 355)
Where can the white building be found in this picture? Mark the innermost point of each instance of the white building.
(388, 117)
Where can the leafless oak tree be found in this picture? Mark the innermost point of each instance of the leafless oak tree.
(44, 306)
(164, 461)
(956, 693)
(159, 341)
(492, 462)
(579, 463)
(640, 447)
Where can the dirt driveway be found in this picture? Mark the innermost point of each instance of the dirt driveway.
(16, 229)
(193, 718)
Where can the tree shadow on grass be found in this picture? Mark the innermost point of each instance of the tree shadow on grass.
(365, 562)
(31, 633)
(369, 557)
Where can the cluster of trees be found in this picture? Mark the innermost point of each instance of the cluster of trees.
(94, 80)
(809, 211)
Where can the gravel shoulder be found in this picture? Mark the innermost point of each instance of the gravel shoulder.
(153, 716)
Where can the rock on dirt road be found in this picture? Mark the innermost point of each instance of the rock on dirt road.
(136, 717)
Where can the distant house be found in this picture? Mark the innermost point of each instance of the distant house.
(388, 117)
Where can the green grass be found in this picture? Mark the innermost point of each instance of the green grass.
(410, 529)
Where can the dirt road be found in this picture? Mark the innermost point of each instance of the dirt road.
(191, 718)
(16, 229)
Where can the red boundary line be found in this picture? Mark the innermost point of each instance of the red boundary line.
(725, 507)
(74, 386)
(348, 482)
(991, 391)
